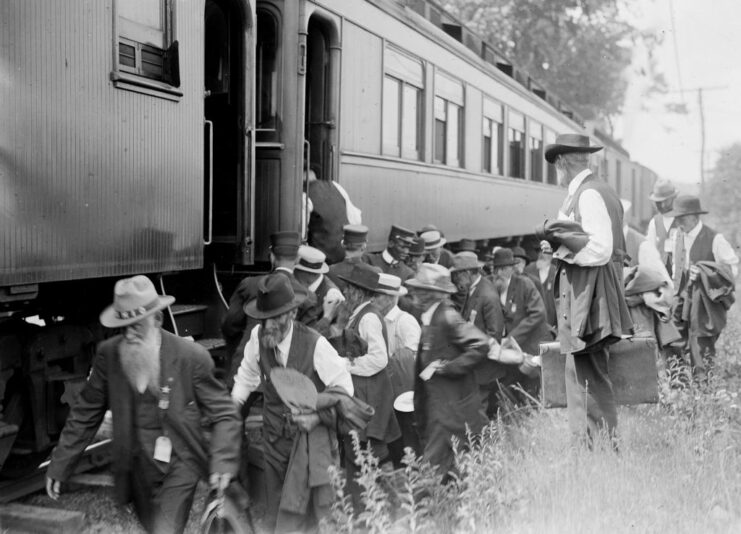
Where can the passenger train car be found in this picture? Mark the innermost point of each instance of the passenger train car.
(170, 137)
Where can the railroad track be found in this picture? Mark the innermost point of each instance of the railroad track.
(96, 455)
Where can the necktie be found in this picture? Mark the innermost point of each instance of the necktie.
(679, 258)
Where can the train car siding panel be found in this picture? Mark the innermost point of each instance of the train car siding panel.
(462, 204)
(96, 180)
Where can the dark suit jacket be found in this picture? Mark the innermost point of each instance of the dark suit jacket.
(450, 398)
(195, 394)
(524, 314)
(400, 269)
(546, 291)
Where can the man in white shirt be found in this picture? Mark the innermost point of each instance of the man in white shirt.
(311, 271)
(695, 243)
(662, 228)
(280, 341)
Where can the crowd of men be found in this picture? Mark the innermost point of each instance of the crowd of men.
(410, 346)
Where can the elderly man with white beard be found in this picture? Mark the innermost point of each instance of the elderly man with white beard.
(158, 387)
(279, 341)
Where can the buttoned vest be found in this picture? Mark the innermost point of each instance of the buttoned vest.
(662, 234)
(614, 210)
(702, 248)
(275, 414)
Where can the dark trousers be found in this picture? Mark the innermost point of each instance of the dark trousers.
(162, 494)
(702, 354)
(380, 451)
(277, 455)
(590, 398)
(409, 438)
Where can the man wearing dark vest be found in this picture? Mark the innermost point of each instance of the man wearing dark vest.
(481, 308)
(368, 359)
(391, 260)
(662, 227)
(592, 313)
(695, 243)
(281, 341)
(236, 326)
(545, 271)
(159, 388)
(355, 242)
(311, 271)
(446, 397)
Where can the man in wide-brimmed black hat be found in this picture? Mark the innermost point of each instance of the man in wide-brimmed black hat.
(698, 247)
(662, 228)
(592, 312)
(280, 341)
(159, 388)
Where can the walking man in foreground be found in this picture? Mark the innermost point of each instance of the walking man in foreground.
(158, 387)
(592, 313)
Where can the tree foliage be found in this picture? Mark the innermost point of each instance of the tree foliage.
(722, 194)
(580, 49)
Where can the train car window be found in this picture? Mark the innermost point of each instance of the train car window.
(536, 151)
(266, 68)
(145, 40)
(551, 176)
(448, 120)
(516, 145)
(403, 88)
(493, 138)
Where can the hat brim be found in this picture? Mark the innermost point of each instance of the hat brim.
(405, 402)
(552, 151)
(251, 308)
(393, 292)
(479, 265)
(505, 264)
(682, 213)
(437, 245)
(321, 270)
(450, 289)
(658, 198)
(356, 284)
(109, 319)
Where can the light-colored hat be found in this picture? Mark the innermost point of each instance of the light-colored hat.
(133, 300)
(389, 284)
(433, 277)
(311, 260)
(466, 261)
(433, 239)
(405, 402)
(663, 190)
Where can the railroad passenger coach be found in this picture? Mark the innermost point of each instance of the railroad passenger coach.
(171, 137)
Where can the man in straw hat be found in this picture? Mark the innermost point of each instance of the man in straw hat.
(311, 271)
(434, 243)
(481, 308)
(367, 352)
(391, 260)
(662, 228)
(588, 321)
(403, 333)
(446, 398)
(280, 341)
(699, 248)
(158, 387)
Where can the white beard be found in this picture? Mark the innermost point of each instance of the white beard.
(140, 362)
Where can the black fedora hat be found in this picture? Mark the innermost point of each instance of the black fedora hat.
(686, 205)
(466, 244)
(275, 296)
(568, 144)
(364, 276)
(503, 257)
(519, 252)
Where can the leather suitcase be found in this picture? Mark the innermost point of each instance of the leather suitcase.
(632, 368)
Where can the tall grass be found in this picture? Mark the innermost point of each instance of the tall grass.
(678, 471)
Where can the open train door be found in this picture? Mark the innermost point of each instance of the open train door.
(229, 59)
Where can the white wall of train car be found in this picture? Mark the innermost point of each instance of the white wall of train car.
(95, 180)
(462, 201)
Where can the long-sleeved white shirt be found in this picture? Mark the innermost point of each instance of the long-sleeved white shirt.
(328, 365)
(403, 330)
(722, 249)
(651, 234)
(596, 223)
(377, 357)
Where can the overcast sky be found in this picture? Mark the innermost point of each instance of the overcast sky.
(708, 54)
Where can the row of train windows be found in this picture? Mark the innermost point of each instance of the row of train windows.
(404, 122)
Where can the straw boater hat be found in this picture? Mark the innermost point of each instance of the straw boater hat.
(503, 257)
(311, 260)
(363, 276)
(466, 261)
(663, 189)
(432, 277)
(686, 205)
(275, 296)
(433, 239)
(569, 144)
(389, 284)
(133, 300)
